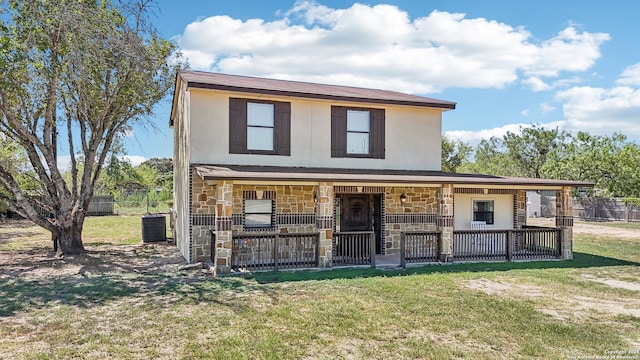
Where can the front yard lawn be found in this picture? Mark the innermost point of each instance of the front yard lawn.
(129, 302)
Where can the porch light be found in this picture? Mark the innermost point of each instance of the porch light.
(403, 198)
(315, 198)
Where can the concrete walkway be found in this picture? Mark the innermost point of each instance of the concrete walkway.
(387, 261)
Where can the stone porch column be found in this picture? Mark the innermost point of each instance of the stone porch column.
(224, 223)
(324, 223)
(520, 209)
(564, 220)
(444, 222)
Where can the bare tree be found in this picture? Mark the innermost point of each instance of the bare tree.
(82, 72)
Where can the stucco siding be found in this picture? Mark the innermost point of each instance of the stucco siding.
(181, 180)
(412, 135)
(463, 211)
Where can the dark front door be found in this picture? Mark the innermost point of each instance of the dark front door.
(362, 212)
(355, 213)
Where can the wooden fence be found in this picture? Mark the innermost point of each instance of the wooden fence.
(354, 248)
(501, 245)
(419, 247)
(273, 251)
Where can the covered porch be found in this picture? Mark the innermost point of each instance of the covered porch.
(250, 219)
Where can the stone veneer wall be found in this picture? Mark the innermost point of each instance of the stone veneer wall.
(295, 208)
(202, 218)
(418, 213)
(564, 220)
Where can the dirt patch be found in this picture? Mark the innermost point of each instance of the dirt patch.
(620, 284)
(500, 288)
(43, 263)
(618, 307)
(591, 229)
(606, 231)
(578, 306)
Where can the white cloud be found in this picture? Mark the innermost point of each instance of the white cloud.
(64, 161)
(382, 47)
(546, 108)
(601, 110)
(134, 160)
(568, 51)
(473, 137)
(536, 83)
(630, 76)
(525, 112)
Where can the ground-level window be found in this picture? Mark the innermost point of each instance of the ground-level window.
(483, 211)
(258, 214)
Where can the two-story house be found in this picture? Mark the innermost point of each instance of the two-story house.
(276, 174)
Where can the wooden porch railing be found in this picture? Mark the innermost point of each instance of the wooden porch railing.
(273, 251)
(354, 248)
(536, 243)
(419, 246)
(500, 245)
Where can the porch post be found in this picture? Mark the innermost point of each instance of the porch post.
(520, 205)
(445, 222)
(324, 223)
(564, 220)
(224, 223)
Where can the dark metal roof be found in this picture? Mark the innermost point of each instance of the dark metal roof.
(207, 80)
(274, 173)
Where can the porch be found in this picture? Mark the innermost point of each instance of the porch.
(278, 251)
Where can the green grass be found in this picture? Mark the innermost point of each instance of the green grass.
(97, 230)
(547, 310)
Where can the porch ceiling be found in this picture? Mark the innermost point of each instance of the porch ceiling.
(274, 173)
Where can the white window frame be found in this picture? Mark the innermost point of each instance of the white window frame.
(493, 210)
(356, 132)
(260, 126)
(251, 219)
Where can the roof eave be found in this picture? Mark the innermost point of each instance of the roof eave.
(201, 85)
(175, 99)
(228, 174)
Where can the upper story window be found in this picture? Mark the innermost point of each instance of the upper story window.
(259, 127)
(357, 132)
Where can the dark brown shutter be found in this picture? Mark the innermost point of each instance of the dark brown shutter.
(237, 126)
(338, 131)
(282, 128)
(377, 134)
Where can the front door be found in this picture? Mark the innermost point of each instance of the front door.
(362, 212)
(355, 213)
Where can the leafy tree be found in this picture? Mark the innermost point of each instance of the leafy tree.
(530, 149)
(164, 170)
(89, 69)
(490, 158)
(519, 154)
(454, 154)
(121, 175)
(610, 162)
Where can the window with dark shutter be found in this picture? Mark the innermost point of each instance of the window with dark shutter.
(259, 127)
(357, 132)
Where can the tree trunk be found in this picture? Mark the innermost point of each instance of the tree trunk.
(70, 239)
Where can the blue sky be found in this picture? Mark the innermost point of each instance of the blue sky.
(568, 64)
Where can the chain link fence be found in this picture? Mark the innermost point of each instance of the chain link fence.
(131, 202)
